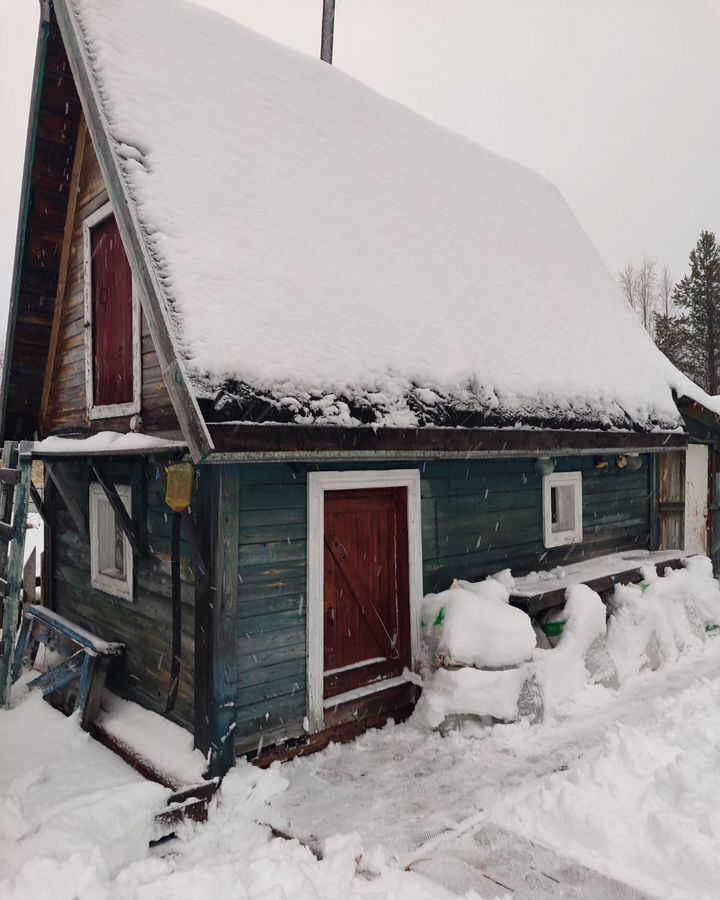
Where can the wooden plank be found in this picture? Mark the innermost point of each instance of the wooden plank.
(250, 441)
(14, 572)
(223, 615)
(65, 493)
(29, 578)
(121, 514)
(63, 271)
(60, 676)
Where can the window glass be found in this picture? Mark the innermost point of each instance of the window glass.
(562, 501)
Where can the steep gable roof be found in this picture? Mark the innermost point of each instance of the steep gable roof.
(334, 253)
(309, 252)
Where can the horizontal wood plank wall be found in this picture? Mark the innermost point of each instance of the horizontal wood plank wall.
(67, 402)
(477, 517)
(145, 626)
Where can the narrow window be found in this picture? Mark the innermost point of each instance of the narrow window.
(562, 508)
(111, 560)
(112, 352)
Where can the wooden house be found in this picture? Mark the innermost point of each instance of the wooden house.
(391, 357)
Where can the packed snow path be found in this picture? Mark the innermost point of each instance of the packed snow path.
(423, 796)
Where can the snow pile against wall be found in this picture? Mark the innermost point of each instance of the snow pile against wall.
(473, 627)
(567, 668)
(644, 808)
(471, 630)
(652, 626)
(472, 624)
(337, 254)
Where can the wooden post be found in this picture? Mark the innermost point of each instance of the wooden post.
(328, 31)
(225, 530)
(29, 578)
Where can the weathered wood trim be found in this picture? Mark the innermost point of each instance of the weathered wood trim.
(47, 575)
(24, 210)
(573, 535)
(115, 410)
(249, 442)
(223, 618)
(317, 484)
(150, 292)
(64, 266)
(118, 588)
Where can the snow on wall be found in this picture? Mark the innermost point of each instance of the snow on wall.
(327, 246)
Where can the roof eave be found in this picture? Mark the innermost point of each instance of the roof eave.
(294, 443)
(33, 116)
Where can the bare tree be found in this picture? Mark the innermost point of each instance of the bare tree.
(627, 277)
(665, 301)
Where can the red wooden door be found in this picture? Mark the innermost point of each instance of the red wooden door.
(367, 613)
(112, 317)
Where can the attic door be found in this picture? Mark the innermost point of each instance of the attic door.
(112, 321)
(366, 596)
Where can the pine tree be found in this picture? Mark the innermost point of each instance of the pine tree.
(697, 297)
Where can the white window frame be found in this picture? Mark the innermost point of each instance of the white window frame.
(113, 410)
(571, 536)
(317, 484)
(117, 587)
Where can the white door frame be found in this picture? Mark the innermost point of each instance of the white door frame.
(317, 484)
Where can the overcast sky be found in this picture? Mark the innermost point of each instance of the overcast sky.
(616, 101)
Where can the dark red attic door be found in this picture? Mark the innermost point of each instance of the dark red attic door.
(112, 315)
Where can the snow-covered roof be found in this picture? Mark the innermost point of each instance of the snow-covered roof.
(344, 259)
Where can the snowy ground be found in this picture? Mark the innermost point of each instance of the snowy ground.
(624, 783)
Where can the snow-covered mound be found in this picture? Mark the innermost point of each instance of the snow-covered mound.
(470, 627)
(344, 258)
(674, 613)
(477, 627)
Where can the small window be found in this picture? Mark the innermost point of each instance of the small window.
(111, 559)
(562, 508)
(112, 325)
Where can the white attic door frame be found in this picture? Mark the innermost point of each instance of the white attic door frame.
(116, 409)
(317, 484)
(696, 498)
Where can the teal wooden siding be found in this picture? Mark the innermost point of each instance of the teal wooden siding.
(477, 517)
(144, 626)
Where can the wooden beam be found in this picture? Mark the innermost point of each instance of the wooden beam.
(39, 504)
(60, 676)
(67, 498)
(144, 275)
(249, 441)
(47, 576)
(196, 542)
(118, 507)
(223, 618)
(64, 267)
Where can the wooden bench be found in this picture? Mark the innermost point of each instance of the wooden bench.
(541, 591)
(85, 665)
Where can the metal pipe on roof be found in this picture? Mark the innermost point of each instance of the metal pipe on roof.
(328, 29)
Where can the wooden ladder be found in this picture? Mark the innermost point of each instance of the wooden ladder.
(15, 479)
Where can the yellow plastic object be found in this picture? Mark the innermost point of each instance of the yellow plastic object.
(180, 483)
